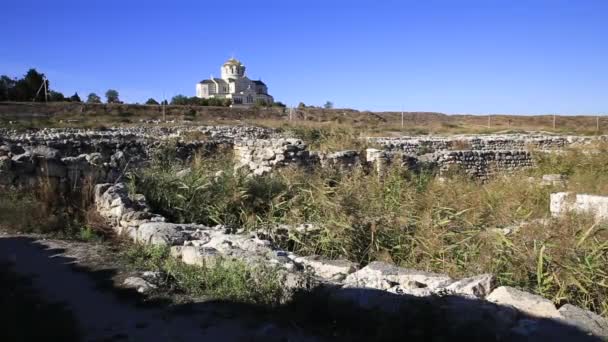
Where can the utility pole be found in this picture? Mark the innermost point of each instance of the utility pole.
(43, 85)
(164, 102)
(401, 118)
(554, 121)
(489, 120)
(597, 123)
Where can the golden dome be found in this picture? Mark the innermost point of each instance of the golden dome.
(233, 61)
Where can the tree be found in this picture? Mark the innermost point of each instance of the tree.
(55, 96)
(26, 88)
(328, 105)
(6, 88)
(279, 104)
(179, 100)
(75, 98)
(112, 96)
(152, 101)
(93, 98)
(301, 105)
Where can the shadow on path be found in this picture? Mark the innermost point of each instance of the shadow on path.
(108, 313)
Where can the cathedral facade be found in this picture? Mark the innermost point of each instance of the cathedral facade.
(234, 85)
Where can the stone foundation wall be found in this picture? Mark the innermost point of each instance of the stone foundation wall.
(261, 156)
(377, 285)
(425, 144)
(484, 164)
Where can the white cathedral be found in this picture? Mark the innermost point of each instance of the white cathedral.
(234, 85)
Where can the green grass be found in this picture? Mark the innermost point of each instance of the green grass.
(226, 279)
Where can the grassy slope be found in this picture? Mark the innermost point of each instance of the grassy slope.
(32, 115)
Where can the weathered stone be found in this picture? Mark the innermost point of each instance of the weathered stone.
(200, 256)
(563, 202)
(176, 251)
(45, 152)
(380, 275)
(547, 330)
(553, 180)
(526, 302)
(329, 269)
(477, 286)
(585, 320)
(161, 233)
(140, 284)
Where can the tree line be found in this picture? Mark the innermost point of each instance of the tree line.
(31, 86)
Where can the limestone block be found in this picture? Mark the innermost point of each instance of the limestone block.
(381, 275)
(329, 269)
(200, 256)
(563, 202)
(585, 320)
(162, 233)
(477, 286)
(526, 302)
(140, 284)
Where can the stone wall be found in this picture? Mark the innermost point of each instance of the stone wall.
(260, 156)
(200, 245)
(30, 165)
(483, 164)
(430, 144)
(260, 150)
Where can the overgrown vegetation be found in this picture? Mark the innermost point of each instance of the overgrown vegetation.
(50, 207)
(411, 219)
(223, 279)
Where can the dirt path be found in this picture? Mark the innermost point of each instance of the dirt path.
(105, 316)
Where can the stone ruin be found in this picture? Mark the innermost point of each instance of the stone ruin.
(69, 156)
(196, 244)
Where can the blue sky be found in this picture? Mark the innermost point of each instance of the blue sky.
(467, 56)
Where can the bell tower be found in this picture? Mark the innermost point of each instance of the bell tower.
(233, 69)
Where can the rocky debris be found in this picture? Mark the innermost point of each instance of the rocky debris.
(585, 320)
(163, 233)
(140, 284)
(335, 270)
(563, 202)
(531, 304)
(384, 276)
(477, 286)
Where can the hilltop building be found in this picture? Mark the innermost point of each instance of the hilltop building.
(234, 85)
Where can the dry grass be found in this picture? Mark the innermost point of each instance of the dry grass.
(411, 219)
(49, 207)
(27, 115)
